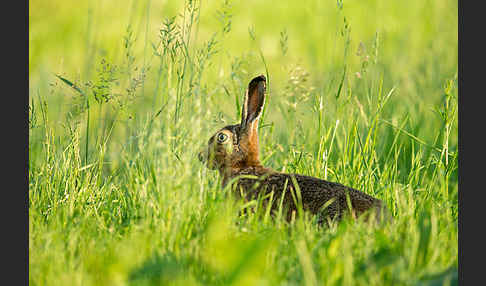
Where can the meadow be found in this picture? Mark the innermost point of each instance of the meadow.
(123, 94)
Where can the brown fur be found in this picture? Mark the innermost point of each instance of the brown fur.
(237, 158)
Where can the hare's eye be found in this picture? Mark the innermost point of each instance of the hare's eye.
(222, 137)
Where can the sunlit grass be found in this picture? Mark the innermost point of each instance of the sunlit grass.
(122, 97)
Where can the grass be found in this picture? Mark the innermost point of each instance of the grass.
(123, 96)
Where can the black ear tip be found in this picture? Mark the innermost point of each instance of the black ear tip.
(258, 79)
(261, 78)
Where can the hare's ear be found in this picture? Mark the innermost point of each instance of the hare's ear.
(250, 114)
(253, 102)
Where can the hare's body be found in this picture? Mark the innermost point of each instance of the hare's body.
(317, 196)
(233, 151)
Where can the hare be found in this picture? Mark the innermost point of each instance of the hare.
(233, 151)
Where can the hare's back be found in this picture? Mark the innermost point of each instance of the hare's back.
(316, 192)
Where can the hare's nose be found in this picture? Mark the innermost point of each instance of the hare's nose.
(200, 156)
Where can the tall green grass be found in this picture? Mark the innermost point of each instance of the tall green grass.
(122, 96)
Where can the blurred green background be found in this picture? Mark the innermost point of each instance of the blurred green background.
(418, 39)
(122, 94)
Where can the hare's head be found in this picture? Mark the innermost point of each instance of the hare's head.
(236, 146)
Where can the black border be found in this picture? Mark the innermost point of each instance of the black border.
(471, 84)
(16, 136)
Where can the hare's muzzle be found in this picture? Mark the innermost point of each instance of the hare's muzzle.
(202, 156)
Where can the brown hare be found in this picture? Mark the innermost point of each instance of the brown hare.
(233, 151)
